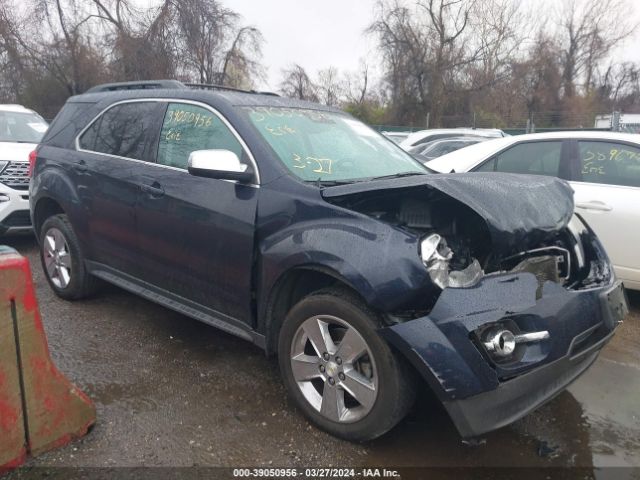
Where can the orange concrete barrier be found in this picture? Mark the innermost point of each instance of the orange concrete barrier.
(39, 408)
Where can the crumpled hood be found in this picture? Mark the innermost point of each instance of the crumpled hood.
(519, 209)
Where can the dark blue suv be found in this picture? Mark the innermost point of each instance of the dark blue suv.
(302, 230)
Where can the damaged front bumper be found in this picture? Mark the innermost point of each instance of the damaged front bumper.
(482, 391)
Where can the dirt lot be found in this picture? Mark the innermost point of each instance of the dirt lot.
(174, 392)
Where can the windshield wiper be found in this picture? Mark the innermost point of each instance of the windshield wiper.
(330, 183)
(398, 175)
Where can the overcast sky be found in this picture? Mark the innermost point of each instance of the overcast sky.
(321, 33)
(313, 33)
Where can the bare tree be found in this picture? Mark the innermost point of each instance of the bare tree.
(62, 48)
(329, 87)
(240, 67)
(538, 78)
(296, 83)
(214, 46)
(438, 51)
(204, 26)
(620, 84)
(446, 58)
(357, 84)
(587, 31)
(57, 48)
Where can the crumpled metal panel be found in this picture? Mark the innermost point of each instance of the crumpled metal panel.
(518, 209)
(440, 345)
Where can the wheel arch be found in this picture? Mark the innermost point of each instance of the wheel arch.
(291, 287)
(45, 207)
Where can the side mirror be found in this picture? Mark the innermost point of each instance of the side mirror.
(221, 164)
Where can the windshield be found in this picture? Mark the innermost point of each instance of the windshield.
(329, 147)
(22, 127)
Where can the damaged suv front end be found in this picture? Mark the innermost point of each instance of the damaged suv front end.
(488, 284)
(522, 295)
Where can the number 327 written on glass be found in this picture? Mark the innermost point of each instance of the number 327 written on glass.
(322, 165)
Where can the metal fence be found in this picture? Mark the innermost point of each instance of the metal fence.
(509, 131)
(538, 122)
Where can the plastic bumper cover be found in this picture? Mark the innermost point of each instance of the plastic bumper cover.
(14, 210)
(519, 396)
(481, 394)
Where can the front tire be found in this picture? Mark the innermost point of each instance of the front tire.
(62, 260)
(342, 375)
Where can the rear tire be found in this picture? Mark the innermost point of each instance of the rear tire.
(63, 261)
(342, 375)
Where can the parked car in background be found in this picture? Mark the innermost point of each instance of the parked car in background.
(396, 137)
(425, 136)
(602, 167)
(20, 130)
(437, 148)
(300, 229)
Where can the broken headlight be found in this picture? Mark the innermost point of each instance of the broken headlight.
(437, 257)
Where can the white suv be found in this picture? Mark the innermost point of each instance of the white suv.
(20, 131)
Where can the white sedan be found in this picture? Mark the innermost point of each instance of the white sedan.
(425, 136)
(602, 167)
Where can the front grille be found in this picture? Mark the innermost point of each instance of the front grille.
(16, 175)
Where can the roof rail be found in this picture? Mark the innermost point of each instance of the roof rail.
(137, 85)
(209, 86)
(167, 84)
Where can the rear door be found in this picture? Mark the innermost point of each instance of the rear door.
(113, 151)
(196, 234)
(607, 195)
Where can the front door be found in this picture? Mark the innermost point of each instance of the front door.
(196, 234)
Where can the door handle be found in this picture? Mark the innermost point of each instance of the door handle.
(154, 191)
(80, 167)
(594, 205)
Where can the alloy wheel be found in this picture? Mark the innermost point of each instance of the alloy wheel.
(334, 368)
(57, 258)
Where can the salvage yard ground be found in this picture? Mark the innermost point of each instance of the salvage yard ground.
(174, 392)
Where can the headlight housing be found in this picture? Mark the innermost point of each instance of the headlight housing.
(436, 256)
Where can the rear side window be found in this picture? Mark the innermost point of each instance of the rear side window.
(73, 117)
(124, 130)
(540, 158)
(88, 138)
(187, 128)
(610, 163)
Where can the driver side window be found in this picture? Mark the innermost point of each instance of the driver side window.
(187, 128)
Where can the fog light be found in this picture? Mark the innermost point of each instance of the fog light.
(4, 198)
(501, 343)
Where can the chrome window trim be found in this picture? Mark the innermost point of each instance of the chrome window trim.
(170, 100)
